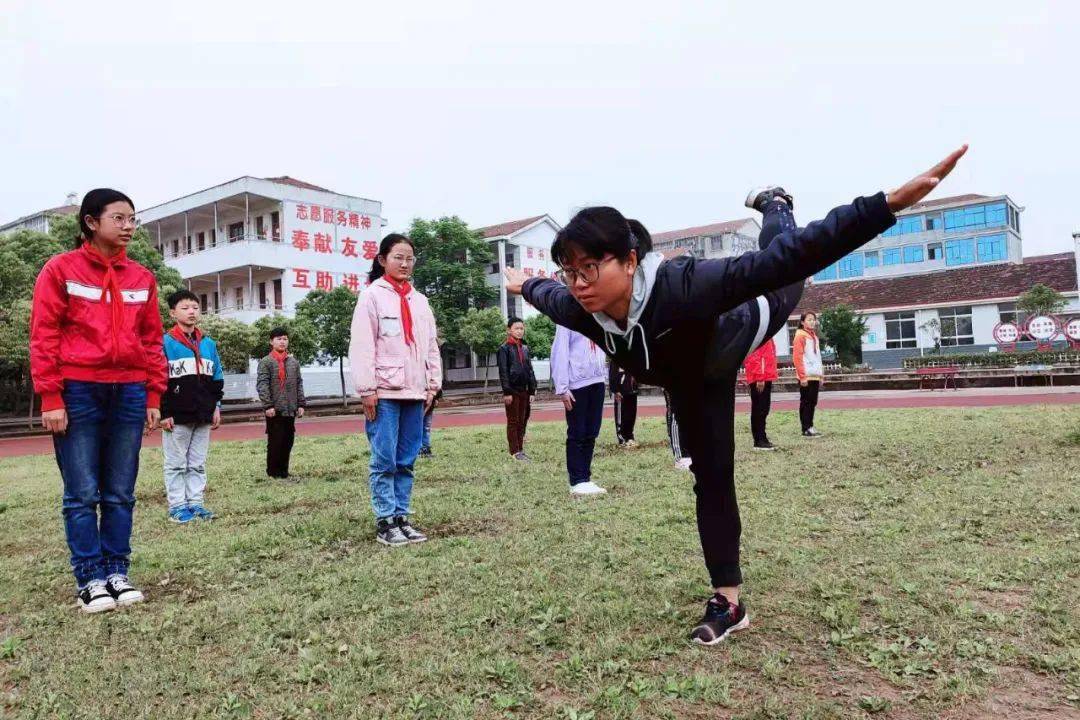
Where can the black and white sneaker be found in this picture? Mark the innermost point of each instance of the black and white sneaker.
(721, 619)
(764, 445)
(759, 197)
(388, 533)
(122, 591)
(522, 457)
(812, 432)
(95, 598)
(411, 534)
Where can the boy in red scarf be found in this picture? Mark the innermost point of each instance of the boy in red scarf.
(518, 386)
(281, 391)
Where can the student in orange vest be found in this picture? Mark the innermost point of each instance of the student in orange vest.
(806, 354)
(760, 367)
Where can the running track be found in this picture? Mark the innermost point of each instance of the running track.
(650, 407)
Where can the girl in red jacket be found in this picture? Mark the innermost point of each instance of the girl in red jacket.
(760, 368)
(96, 360)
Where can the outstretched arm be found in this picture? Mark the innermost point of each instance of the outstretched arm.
(553, 299)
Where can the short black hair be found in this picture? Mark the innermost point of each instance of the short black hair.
(93, 204)
(278, 332)
(599, 231)
(511, 321)
(184, 294)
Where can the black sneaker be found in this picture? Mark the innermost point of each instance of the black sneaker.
(122, 591)
(411, 534)
(426, 452)
(388, 533)
(95, 597)
(762, 196)
(521, 457)
(721, 619)
(764, 445)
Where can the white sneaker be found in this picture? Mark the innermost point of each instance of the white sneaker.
(683, 464)
(587, 488)
(122, 591)
(95, 597)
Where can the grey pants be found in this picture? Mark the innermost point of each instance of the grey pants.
(185, 449)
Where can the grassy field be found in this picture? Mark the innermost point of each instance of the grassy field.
(910, 564)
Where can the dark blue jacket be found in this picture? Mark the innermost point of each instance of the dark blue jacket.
(193, 393)
(683, 319)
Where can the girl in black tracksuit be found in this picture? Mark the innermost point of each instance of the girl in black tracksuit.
(677, 335)
(624, 391)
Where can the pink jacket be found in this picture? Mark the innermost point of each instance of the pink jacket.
(379, 359)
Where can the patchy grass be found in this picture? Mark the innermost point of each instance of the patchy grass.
(910, 564)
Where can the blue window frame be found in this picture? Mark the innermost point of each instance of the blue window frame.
(828, 273)
(992, 247)
(960, 252)
(913, 253)
(976, 217)
(890, 256)
(851, 266)
(872, 258)
(905, 226)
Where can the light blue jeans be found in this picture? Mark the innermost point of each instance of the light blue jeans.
(395, 437)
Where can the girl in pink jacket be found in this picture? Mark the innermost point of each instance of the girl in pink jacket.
(394, 359)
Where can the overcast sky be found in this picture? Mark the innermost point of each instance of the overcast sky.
(667, 110)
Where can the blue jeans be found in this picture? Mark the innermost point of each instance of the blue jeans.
(582, 427)
(395, 442)
(425, 443)
(99, 461)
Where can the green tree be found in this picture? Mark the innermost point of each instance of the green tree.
(64, 229)
(1041, 300)
(235, 341)
(330, 314)
(451, 270)
(483, 331)
(842, 330)
(15, 355)
(301, 337)
(539, 335)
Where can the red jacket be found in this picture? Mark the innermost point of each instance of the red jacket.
(76, 333)
(761, 364)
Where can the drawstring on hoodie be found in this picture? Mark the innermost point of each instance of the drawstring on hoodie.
(609, 343)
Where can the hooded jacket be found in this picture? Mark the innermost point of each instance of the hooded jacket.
(677, 309)
(760, 366)
(576, 361)
(74, 334)
(195, 389)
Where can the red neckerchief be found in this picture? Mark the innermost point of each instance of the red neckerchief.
(280, 358)
(511, 340)
(403, 289)
(110, 291)
(178, 334)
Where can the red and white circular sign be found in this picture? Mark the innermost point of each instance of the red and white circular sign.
(1072, 329)
(1043, 328)
(1006, 333)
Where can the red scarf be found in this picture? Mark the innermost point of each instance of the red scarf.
(181, 337)
(280, 358)
(513, 341)
(403, 289)
(110, 293)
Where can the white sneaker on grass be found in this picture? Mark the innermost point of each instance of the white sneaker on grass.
(586, 488)
(684, 463)
(122, 591)
(95, 598)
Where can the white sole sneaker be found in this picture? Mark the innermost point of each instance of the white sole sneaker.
(588, 493)
(741, 625)
(130, 598)
(98, 606)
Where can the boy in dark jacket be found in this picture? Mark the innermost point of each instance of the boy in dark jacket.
(624, 390)
(518, 385)
(281, 391)
(190, 408)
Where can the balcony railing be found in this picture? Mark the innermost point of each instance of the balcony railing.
(167, 249)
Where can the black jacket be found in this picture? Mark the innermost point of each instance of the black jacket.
(515, 376)
(682, 315)
(620, 381)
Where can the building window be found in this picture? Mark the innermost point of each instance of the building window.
(934, 251)
(975, 217)
(991, 247)
(900, 330)
(176, 247)
(717, 243)
(238, 294)
(890, 256)
(828, 273)
(278, 305)
(202, 302)
(216, 301)
(905, 226)
(260, 226)
(850, 266)
(1007, 312)
(931, 222)
(960, 252)
(913, 253)
(200, 240)
(236, 231)
(262, 296)
(871, 259)
(956, 328)
(213, 238)
(187, 244)
(275, 225)
(509, 257)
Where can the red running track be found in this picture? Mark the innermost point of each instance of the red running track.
(458, 417)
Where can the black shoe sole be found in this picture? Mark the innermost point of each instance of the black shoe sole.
(737, 627)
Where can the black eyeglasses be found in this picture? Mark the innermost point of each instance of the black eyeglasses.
(589, 272)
